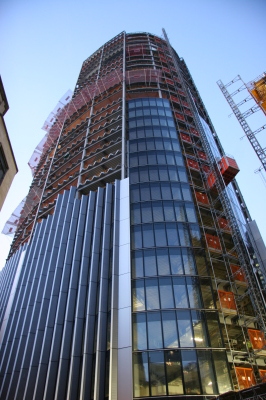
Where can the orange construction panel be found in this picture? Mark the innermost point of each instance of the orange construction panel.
(175, 99)
(194, 131)
(206, 168)
(202, 198)
(193, 164)
(188, 112)
(263, 375)
(257, 338)
(223, 224)
(179, 116)
(202, 155)
(227, 299)
(211, 180)
(238, 273)
(185, 137)
(166, 70)
(229, 169)
(213, 242)
(245, 377)
(169, 81)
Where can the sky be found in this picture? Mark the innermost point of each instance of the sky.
(43, 44)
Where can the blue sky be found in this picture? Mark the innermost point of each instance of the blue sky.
(43, 44)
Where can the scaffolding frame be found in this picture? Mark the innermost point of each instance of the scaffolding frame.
(241, 117)
(242, 251)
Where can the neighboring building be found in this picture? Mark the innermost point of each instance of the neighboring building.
(132, 273)
(8, 166)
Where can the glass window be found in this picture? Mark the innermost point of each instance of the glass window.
(139, 331)
(144, 192)
(159, 144)
(176, 192)
(169, 211)
(176, 145)
(167, 144)
(214, 329)
(166, 191)
(179, 160)
(176, 261)
(173, 174)
(194, 293)
(163, 262)
(161, 159)
(182, 174)
(134, 176)
(207, 295)
(174, 372)
(179, 212)
(142, 145)
(195, 235)
(170, 159)
(155, 191)
(148, 130)
(150, 263)
(150, 144)
(160, 235)
(190, 370)
(135, 214)
(136, 237)
(157, 132)
(152, 294)
(208, 381)
(166, 293)
(137, 264)
(180, 293)
(154, 174)
(154, 330)
(140, 133)
(140, 122)
(143, 174)
(172, 235)
(146, 111)
(139, 113)
(133, 147)
(186, 192)
(184, 235)
(163, 173)
(165, 132)
(188, 261)
(221, 368)
(152, 159)
(171, 124)
(157, 207)
(157, 373)
(199, 328)
(169, 329)
(138, 295)
(141, 374)
(134, 193)
(148, 235)
(146, 213)
(132, 134)
(191, 215)
(133, 160)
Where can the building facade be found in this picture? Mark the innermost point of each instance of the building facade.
(8, 166)
(133, 271)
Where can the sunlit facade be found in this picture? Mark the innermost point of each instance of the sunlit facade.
(133, 274)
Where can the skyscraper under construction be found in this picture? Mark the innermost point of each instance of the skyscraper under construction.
(136, 270)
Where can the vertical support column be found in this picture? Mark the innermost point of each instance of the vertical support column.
(124, 298)
(123, 167)
(120, 377)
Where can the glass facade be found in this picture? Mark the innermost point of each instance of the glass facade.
(175, 326)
